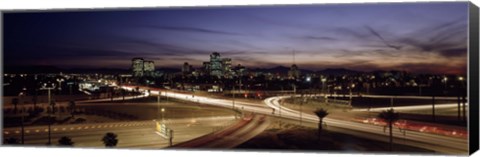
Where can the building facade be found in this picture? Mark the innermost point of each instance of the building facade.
(141, 67)
(294, 72)
(216, 65)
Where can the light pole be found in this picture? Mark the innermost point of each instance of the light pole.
(60, 80)
(445, 79)
(302, 100)
(49, 86)
(294, 92)
(351, 87)
(233, 98)
(163, 110)
(70, 86)
(158, 102)
(323, 85)
(460, 79)
(23, 127)
(420, 89)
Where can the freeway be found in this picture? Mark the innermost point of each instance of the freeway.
(134, 134)
(407, 97)
(249, 127)
(409, 108)
(438, 143)
(65, 103)
(131, 134)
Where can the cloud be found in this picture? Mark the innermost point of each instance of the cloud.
(375, 33)
(350, 32)
(454, 52)
(447, 39)
(192, 30)
(322, 38)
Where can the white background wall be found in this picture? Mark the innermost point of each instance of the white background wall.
(57, 152)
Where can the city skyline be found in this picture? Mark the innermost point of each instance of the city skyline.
(414, 37)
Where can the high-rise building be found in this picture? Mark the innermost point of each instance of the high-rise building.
(216, 65)
(227, 67)
(186, 69)
(141, 67)
(137, 67)
(148, 68)
(294, 72)
(206, 68)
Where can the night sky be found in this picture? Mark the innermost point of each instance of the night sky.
(415, 37)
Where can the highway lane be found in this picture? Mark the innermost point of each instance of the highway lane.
(413, 107)
(65, 103)
(439, 143)
(252, 129)
(137, 134)
(387, 96)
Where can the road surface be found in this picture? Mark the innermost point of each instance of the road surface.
(438, 143)
(135, 134)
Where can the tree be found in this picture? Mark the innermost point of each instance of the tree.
(110, 139)
(71, 108)
(65, 141)
(52, 105)
(15, 103)
(390, 116)
(321, 113)
(123, 94)
(11, 141)
(34, 100)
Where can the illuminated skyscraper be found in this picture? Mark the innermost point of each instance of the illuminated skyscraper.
(141, 67)
(216, 65)
(227, 67)
(148, 68)
(294, 72)
(137, 67)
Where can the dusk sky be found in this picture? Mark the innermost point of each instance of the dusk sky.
(415, 37)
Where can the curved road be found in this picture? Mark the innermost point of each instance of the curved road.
(438, 143)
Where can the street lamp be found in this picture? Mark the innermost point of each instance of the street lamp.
(23, 126)
(60, 80)
(445, 79)
(323, 85)
(351, 87)
(70, 86)
(163, 110)
(461, 79)
(49, 86)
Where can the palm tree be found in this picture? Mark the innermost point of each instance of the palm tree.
(123, 94)
(11, 141)
(34, 100)
(110, 139)
(15, 103)
(390, 116)
(321, 113)
(65, 141)
(71, 107)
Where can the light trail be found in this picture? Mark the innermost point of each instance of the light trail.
(439, 143)
(415, 107)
